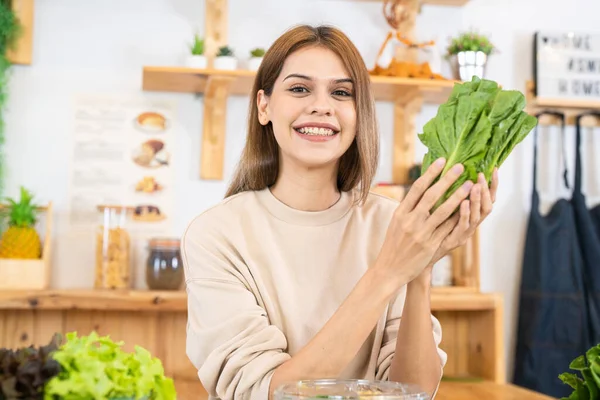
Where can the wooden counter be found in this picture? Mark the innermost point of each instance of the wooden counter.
(156, 320)
(485, 391)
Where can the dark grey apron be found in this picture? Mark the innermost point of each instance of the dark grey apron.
(589, 240)
(552, 323)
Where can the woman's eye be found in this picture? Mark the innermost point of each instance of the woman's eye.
(342, 93)
(298, 89)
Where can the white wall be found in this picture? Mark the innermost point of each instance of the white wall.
(101, 46)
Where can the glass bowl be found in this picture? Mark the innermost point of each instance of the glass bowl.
(355, 389)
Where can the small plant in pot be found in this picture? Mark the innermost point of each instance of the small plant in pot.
(468, 54)
(225, 59)
(256, 57)
(196, 58)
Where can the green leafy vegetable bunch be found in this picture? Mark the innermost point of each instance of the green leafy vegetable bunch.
(479, 126)
(588, 365)
(97, 368)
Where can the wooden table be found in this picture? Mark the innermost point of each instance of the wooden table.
(485, 391)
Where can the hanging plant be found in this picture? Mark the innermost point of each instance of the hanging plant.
(9, 32)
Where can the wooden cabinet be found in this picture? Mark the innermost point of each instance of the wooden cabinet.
(472, 328)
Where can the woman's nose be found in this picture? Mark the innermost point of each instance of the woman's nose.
(321, 105)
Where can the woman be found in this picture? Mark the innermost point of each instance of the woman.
(300, 272)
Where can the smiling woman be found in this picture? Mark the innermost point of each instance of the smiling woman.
(302, 273)
(310, 78)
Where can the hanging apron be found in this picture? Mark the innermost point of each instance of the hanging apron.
(552, 321)
(589, 240)
(595, 212)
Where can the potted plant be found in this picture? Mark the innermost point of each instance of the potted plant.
(256, 57)
(225, 59)
(196, 58)
(468, 54)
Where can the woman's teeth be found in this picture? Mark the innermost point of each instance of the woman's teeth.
(316, 131)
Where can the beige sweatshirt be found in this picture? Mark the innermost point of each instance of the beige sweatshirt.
(263, 278)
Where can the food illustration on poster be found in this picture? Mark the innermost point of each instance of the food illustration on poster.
(117, 162)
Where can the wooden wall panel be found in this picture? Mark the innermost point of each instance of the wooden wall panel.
(163, 334)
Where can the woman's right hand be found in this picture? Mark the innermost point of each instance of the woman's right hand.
(414, 234)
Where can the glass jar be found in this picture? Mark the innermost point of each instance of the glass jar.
(164, 268)
(349, 389)
(113, 248)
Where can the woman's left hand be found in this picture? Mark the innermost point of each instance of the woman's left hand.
(472, 213)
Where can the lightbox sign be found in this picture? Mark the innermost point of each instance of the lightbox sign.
(567, 65)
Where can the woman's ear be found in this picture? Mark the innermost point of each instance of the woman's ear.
(262, 102)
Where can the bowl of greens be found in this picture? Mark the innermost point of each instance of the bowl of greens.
(349, 389)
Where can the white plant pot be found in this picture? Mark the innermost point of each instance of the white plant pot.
(196, 61)
(254, 63)
(468, 64)
(226, 62)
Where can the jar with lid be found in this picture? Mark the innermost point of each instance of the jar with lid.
(164, 267)
(113, 248)
(355, 389)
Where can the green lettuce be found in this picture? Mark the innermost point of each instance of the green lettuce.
(479, 126)
(95, 367)
(587, 388)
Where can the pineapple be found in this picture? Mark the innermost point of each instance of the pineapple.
(21, 239)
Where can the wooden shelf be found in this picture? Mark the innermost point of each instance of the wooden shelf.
(450, 3)
(442, 299)
(190, 80)
(217, 85)
(571, 108)
(22, 54)
(453, 3)
(81, 299)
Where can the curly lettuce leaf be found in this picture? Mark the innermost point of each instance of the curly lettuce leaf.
(95, 367)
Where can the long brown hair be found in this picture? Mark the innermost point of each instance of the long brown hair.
(258, 167)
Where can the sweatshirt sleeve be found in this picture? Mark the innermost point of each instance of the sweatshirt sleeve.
(388, 348)
(229, 338)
